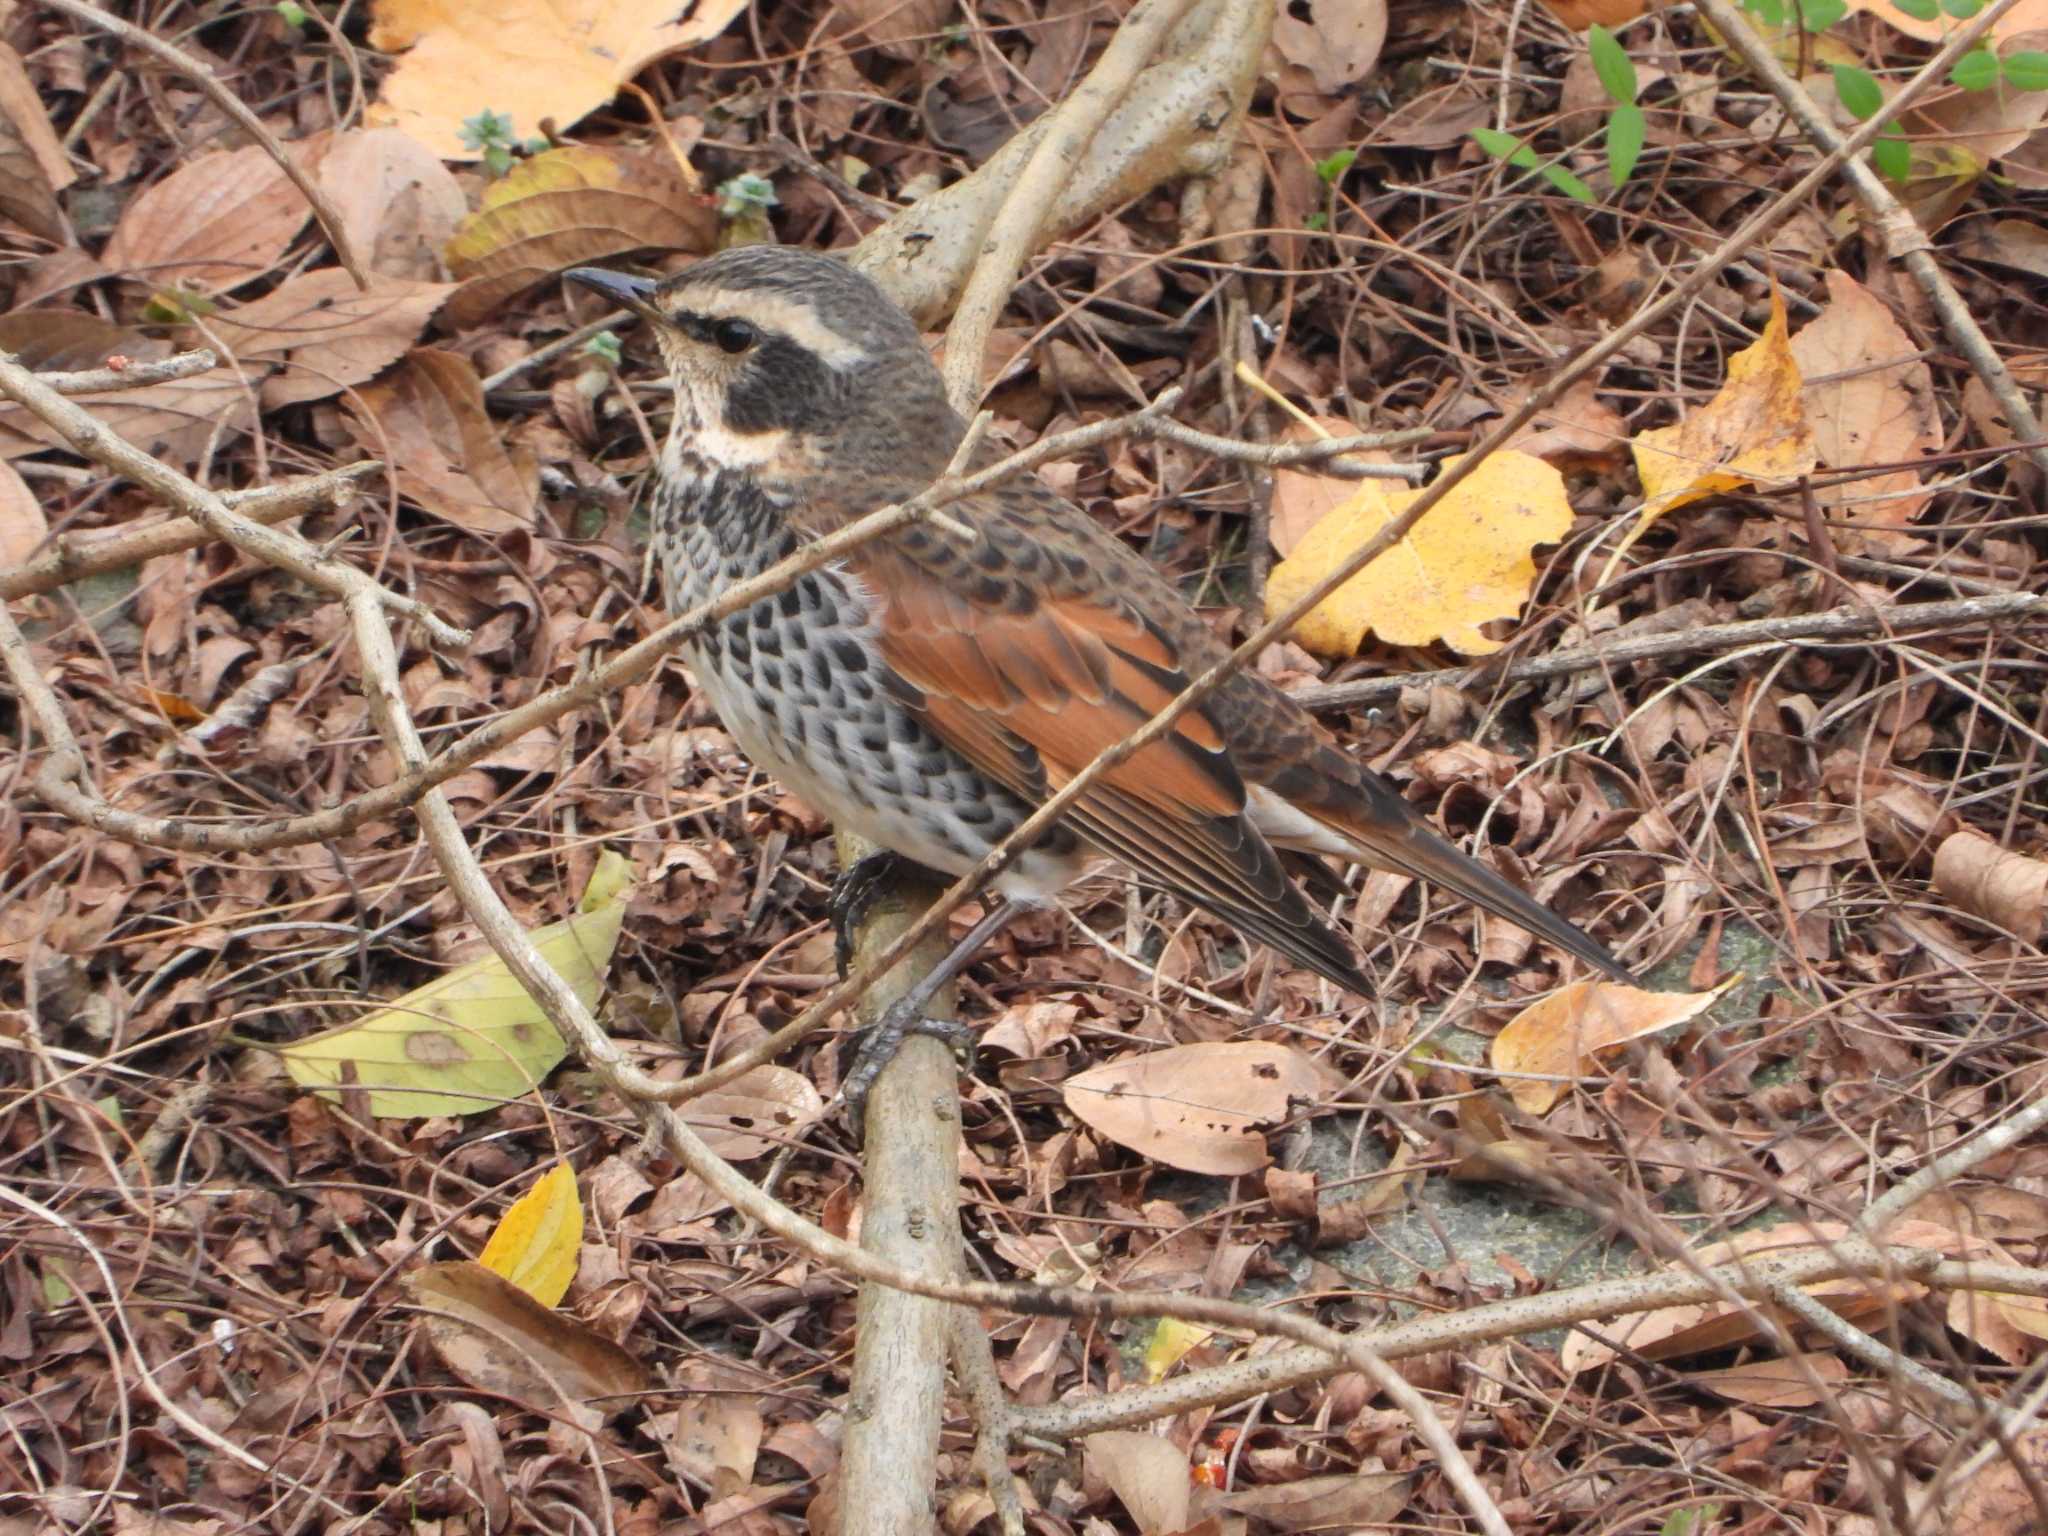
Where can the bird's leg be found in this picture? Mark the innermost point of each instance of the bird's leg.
(857, 886)
(905, 1017)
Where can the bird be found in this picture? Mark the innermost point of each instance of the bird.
(933, 687)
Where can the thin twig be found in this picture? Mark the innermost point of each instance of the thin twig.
(87, 381)
(136, 37)
(73, 558)
(1787, 629)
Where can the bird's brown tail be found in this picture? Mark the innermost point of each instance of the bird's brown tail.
(1395, 837)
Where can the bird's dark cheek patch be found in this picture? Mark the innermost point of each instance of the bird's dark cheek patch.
(777, 387)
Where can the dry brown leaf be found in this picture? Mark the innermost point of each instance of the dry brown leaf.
(2007, 889)
(318, 333)
(1999, 1500)
(1870, 400)
(1467, 562)
(1754, 432)
(756, 1113)
(1579, 428)
(1581, 14)
(714, 1436)
(499, 1339)
(541, 60)
(426, 419)
(397, 201)
(1671, 1333)
(23, 528)
(217, 221)
(1199, 1107)
(1557, 1036)
(2026, 16)
(1300, 499)
(33, 165)
(903, 29)
(1775, 1383)
(1340, 1501)
(2018, 243)
(1336, 41)
(1148, 1475)
(174, 420)
(567, 207)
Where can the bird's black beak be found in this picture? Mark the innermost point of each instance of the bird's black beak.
(633, 293)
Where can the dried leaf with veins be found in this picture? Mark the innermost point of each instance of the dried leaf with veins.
(1148, 1475)
(1754, 432)
(426, 418)
(567, 207)
(760, 1112)
(1467, 562)
(1557, 1036)
(1336, 41)
(1199, 1107)
(23, 528)
(216, 222)
(2009, 890)
(540, 60)
(1870, 400)
(318, 333)
(397, 201)
(2026, 16)
(499, 1339)
(1302, 499)
(33, 165)
(174, 420)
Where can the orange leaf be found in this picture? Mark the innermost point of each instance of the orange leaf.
(1556, 1036)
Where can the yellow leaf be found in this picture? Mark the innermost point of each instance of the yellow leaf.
(1466, 562)
(472, 1039)
(535, 60)
(1754, 432)
(536, 1241)
(1556, 1036)
(1170, 1340)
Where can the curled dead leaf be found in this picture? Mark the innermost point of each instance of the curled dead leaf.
(426, 419)
(1557, 1036)
(2004, 888)
(499, 1339)
(566, 207)
(1199, 1107)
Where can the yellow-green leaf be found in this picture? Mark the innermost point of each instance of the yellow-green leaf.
(536, 1241)
(1170, 1340)
(1466, 562)
(473, 1039)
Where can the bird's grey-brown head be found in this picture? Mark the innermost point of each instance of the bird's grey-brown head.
(771, 346)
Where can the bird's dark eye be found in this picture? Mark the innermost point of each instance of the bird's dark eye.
(734, 336)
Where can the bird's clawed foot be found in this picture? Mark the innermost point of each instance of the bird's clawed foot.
(856, 888)
(877, 1047)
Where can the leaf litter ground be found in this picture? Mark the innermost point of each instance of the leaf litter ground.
(1858, 826)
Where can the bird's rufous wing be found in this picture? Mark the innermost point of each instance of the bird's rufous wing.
(1031, 688)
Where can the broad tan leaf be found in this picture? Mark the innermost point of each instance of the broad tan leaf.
(395, 198)
(1774, 1383)
(473, 1039)
(175, 420)
(499, 1339)
(1148, 1475)
(33, 165)
(2027, 16)
(1300, 499)
(217, 221)
(567, 207)
(2002, 887)
(1674, 1333)
(1870, 400)
(759, 1112)
(318, 333)
(1754, 432)
(1199, 1107)
(538, 60)
(1336, 41)
(535, 1242)
(23, 528)
(1581, 14)
(1558, 1035)
(426, 419)
(714, 1436)
(1467, 562)
(1338, 1501)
